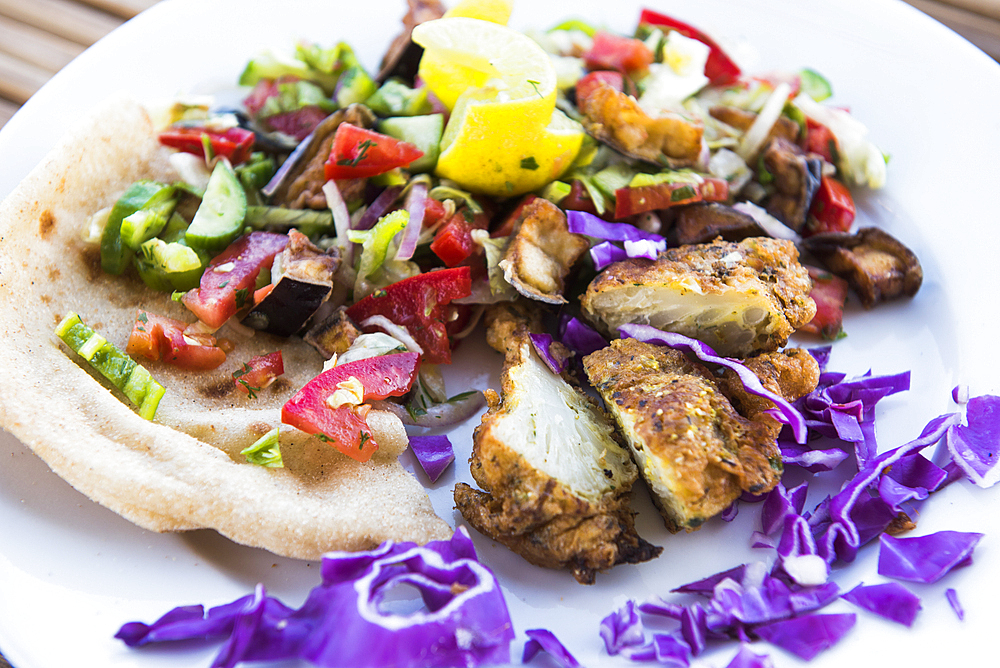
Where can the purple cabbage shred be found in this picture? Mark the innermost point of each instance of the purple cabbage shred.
(434, 453)
(891, 600)
(807, 636)
(580, 337)
(543, 640)
(622, 628)
(926, 559)
(746, 658)
(975, 447)
(955, 604)
(587, 224)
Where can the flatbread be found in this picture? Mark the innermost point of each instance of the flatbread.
(183, 470)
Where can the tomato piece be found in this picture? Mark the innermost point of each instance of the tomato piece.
(159, 338)
(719, 68)
(630, 201)
(344, 426)
(589, 82)
(578, 199)
(228, 283)
(830, 294)
(299, 123)
(614, 52)
(421, 305)
(235, 144)
(258, 373)
(453, 242)
(261, 93)
(832, 208)
(433, 212)
(820, 140)
(358, 153)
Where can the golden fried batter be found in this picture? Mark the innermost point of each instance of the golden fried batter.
(556, 481)
(696, 453)
(739, 298)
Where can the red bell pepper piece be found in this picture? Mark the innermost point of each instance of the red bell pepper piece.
(614, 52)
(344, 426)
(506, 228)
(578, 199)
(453, 242)
(258, 373)
(228, 283)
(630, 201)
(587, 83)
(819, 140)
(419, 303)
(233, 143)
(358, 153)
(158, 338)
(830, 294)
(719, 68)
(832, 208)
(433, 212)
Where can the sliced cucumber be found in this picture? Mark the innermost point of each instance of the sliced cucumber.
(115, 254)
(150, 220)
(424, 132)
(354, 86)
(170, 266)
(219, 219)
(395, 98)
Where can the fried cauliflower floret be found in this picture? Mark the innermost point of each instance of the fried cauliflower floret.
(617, 120)
(541, 252)
(696, 453)
(739, 298)
(556, 481)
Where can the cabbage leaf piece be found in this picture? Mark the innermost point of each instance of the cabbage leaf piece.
(928, 558)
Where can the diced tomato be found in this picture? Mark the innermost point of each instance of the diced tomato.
(344, 427)
(261, 93)
(830, 294)
(614, 52)
(258, 373)
(719, 68)
(420, 304)
(233, 143)
(228, 283)
(453, 242)
(630, 201)
(820, 140)
(832, 208)
(158, 338)
(433, 212)
(586, 85)
(358, 153)
(578, 199)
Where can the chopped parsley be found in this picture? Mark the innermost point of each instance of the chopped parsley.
(529, 163)
(362, 154)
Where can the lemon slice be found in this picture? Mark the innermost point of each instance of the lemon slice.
(462, 53)
(497, 11)
(523, 158)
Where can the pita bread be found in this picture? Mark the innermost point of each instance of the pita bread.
(183, 470)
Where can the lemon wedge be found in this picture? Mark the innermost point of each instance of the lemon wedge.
(497, 11)
(505, 136)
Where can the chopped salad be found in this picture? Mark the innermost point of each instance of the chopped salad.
(377, 215)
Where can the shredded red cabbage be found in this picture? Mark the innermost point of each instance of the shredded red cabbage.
(465, 621)
(955, 604)
(622, 628)
(890, 600)
(541, 343)
(785, 411)
(645, 248)
(671, 651)
(928, 558)
(606, 253)
(587, 224)
(580, 337)
(434, 453)
(807, 636)
(746, 658)
(540, 640)
(976, 447)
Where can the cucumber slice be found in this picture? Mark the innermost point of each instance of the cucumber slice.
(219, 219)
(150, 220)
(124, 373)
(424, 132)
(170, 266)
(354, 86)
(395, 98)
(115, 254)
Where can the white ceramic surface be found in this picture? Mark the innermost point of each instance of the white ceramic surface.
(72, 572)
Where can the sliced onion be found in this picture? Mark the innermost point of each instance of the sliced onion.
(396, 331)
(378, 208)
(445, 414)
(755, 137)
(341, 220)
(286, 167)
(416, 203)
(774, 227)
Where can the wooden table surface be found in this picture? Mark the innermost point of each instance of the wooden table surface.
(39, 37)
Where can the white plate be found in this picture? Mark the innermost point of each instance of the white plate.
(72, 572)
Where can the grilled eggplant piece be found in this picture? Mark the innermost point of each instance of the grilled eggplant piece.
(556, 480)
(617, 120)
(402, 58)
(796, 180)
(301, 186)
(873, 262)
(739, 298)
(784, 128)
(334, 334)
(702, 222)
(696, 453)
(304, 283)
(541, 252)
